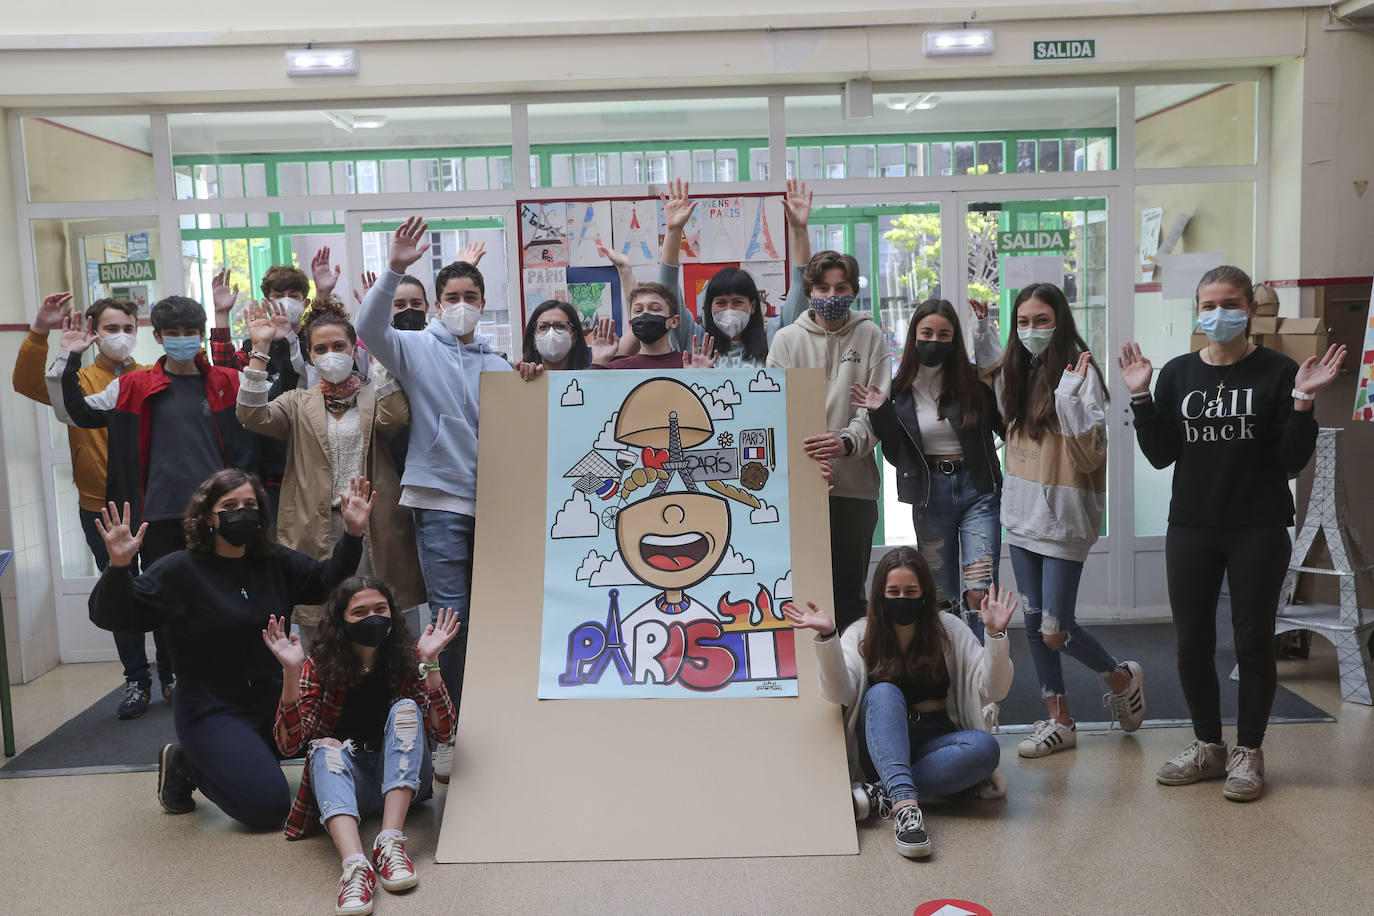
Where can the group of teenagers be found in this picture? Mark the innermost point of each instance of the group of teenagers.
(271, 514)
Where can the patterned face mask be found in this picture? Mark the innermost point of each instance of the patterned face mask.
(832, 308)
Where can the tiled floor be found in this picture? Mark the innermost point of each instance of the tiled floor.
(1084, 832)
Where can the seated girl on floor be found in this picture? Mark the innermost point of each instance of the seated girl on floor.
(360, 701)
(914, 681)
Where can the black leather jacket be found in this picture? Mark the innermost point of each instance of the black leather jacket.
(897, 427)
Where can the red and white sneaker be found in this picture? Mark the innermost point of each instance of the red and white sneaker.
(356, 886)
(395, 871)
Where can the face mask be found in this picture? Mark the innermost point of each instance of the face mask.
(334, 367)
(409, 320)
(649, 328)
(294, 309)
(238, 526)
(553, 344)
(1223, 325)
(730, 321)
(1035, 339)
(832, 308)
(902, 611)
(461, 319)
(117, 346)
(371, 631)
(181, 349)
(933, 352)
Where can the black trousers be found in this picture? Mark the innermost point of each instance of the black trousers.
(1254, 561)
(852, 522)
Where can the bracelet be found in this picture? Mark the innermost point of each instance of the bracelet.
(262, 356)
(1141, 397)
(1303, 396)
(1001, 635)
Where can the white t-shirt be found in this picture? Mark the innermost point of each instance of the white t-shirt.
(937, 434)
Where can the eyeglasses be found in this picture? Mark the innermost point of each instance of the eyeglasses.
(545, 326)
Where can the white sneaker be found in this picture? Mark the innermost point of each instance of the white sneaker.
(356, 886)
(1048, 736)
(395, 871)
(1244, 774)
(1128, 706)
(1198, 761)
(443, 762)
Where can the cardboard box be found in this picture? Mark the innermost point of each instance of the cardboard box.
(1303, 326)
(1264, 325)
(1197, 342)
(1269, 340)
(1267, 309)
(1299, 347)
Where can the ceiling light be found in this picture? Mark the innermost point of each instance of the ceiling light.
(322, 62)
(958, 41)
(343, 120)
(367, 121)
(927, 102)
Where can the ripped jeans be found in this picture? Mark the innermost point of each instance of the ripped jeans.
(1049, 595)
(959, 532)
(354, 781)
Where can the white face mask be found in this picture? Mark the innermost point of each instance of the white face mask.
(334, 367)
(117, 346)
(461, 318)
(553, 344)
(730, 321)
(1035, 339)
(294, 309)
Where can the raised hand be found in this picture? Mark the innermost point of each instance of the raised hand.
(813, 618)
(407, 245)
(260, 330)
(1081, 367)
(368, 278)
(285, 646)
(76, 332)
(222, 295)
(356, 505)
(121, 543)
(824, 445)
(980, 308)
(870, 398)
(703, 353)
(603, 342)
(797, 202)
(529, 371)
(437, 635)
(1136, 370)
(999, 604)
(325, 278)
(618, 258)
(677, 206)
(473, 253)
(1314, 375)
(50, 312)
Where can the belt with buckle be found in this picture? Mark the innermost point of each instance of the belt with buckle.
(946, 465)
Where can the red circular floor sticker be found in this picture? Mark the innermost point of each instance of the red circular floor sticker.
(951, 908)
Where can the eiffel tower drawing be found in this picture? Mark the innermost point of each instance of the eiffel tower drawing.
(629, 243)
(761, 241)
(1344, 625)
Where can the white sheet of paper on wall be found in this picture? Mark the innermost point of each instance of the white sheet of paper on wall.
(542, 283)
(771, 279)
(634, 229)
(543, 235)
(1023, 270)
(765, 229)
(1182, 271)
(588, 220)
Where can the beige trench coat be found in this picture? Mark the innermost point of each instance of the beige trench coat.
(303, 520)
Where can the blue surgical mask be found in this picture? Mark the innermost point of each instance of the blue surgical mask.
(181, 349)
(1223, 325)
(1035, 339)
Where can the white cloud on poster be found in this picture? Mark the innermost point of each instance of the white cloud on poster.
(606, 441)
(613, 572)
(764, 382)
(576, 519)
(727, 394)
(734, 564)
(783, 587)
(763, 514)
(590, 564)
(716, 409)
(572, 397)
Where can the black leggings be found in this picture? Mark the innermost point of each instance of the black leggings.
(1254, 561)
(852, 522)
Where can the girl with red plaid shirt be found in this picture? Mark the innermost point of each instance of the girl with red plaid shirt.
(359, 702)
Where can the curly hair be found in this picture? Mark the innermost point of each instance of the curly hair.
(325, 313)
(336, 664)
(200, 537)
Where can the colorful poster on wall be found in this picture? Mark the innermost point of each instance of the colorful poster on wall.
(1364, 384)
(668, 556)
(543, 283)
(766, 228)
(695, 278)
(589, 221)
(689, 251)
(722, 228)
(138, 246)
(634, 228)
(595, 293)
(771, 279)
(544, 235)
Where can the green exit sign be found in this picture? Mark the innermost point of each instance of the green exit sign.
(127, 271)
(1032, 240)
(1065, 49)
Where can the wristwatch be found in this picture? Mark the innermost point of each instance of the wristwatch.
(426, 669)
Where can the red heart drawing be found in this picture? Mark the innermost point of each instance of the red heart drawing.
(654, 459)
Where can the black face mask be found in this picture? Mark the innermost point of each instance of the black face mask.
(902, 611)
(239, 526)
(371, 631)
(649, 328)
(410, 320)
(933, 352)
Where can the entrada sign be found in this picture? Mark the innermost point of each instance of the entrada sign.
(127, 271)
(1033, 240)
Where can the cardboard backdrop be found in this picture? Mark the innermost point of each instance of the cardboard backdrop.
(630, 778)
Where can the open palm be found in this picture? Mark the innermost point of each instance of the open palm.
(437, 635)
(407, 244)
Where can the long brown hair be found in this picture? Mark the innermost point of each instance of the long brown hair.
(1028, 382)
(335, 662)
(200, 538)
(925, 657)
(960, 379)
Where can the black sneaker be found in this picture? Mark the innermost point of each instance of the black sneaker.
(909, 828)
(135, 702)
(169, 689)
(174, 783)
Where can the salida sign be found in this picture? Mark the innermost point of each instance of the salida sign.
(1065, 49)
(1032, 240)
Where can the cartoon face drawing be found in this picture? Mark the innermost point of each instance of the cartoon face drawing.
(674, 541)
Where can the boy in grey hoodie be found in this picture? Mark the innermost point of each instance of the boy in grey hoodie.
(851, 349)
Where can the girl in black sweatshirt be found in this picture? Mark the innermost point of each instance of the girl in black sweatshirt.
(1235, 420)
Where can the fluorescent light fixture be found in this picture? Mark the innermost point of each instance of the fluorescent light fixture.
(347, 121)
(927, 102)
(322, 62)
(958, 41)
(367, 121)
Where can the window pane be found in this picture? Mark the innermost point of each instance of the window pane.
(561, 167)
(759, 163)
(680, 164)
(704, 165)
(89, 158)
(941, 159)
(990, 155)
(809, 163)
(1049, 155)
(1073, 156)
(918, 163)
(834, 162)
(891, 160)
(632, 168)
(727, 165)
(1197, 124)
(395, 175)
(963, 158)
(657, 167)
(1025, 155)
(863, 162)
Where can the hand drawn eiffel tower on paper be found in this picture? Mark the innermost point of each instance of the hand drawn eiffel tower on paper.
(761, 241)
(634, 224)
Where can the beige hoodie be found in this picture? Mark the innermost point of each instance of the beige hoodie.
(856, 352)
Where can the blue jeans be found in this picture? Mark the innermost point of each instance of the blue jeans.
(444, 542)
(1049, 595)
(354, 781)
(130, 646)
(959, 532)
(926, 755)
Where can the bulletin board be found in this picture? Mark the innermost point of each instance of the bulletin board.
(631, 778)
(558, 247)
